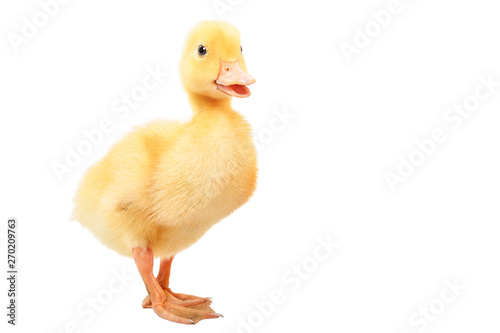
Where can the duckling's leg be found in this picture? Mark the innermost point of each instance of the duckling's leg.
(144, 260)
(176, 298)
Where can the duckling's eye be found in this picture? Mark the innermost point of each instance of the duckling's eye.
(241, 49)
(202, 50)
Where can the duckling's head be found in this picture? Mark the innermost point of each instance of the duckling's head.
(212, 63)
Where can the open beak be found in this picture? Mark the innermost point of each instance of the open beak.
(232, 80)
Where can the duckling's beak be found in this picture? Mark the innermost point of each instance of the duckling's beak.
(232, 80)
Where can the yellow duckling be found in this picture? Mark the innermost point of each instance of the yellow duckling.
(165, 184)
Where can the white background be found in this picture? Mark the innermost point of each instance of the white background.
(321, 176)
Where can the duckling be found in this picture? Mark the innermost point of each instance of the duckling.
(166, 183)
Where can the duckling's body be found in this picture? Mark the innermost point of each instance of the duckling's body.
(166, 183)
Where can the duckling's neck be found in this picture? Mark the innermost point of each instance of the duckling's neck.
(201, 103)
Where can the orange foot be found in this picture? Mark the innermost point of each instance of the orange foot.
(184, 314)
(180, 308)
(180, 299)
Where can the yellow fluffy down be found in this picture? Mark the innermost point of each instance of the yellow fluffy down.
(166, 183)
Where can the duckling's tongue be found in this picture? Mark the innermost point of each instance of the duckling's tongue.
(236, 90)
(232, 80)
